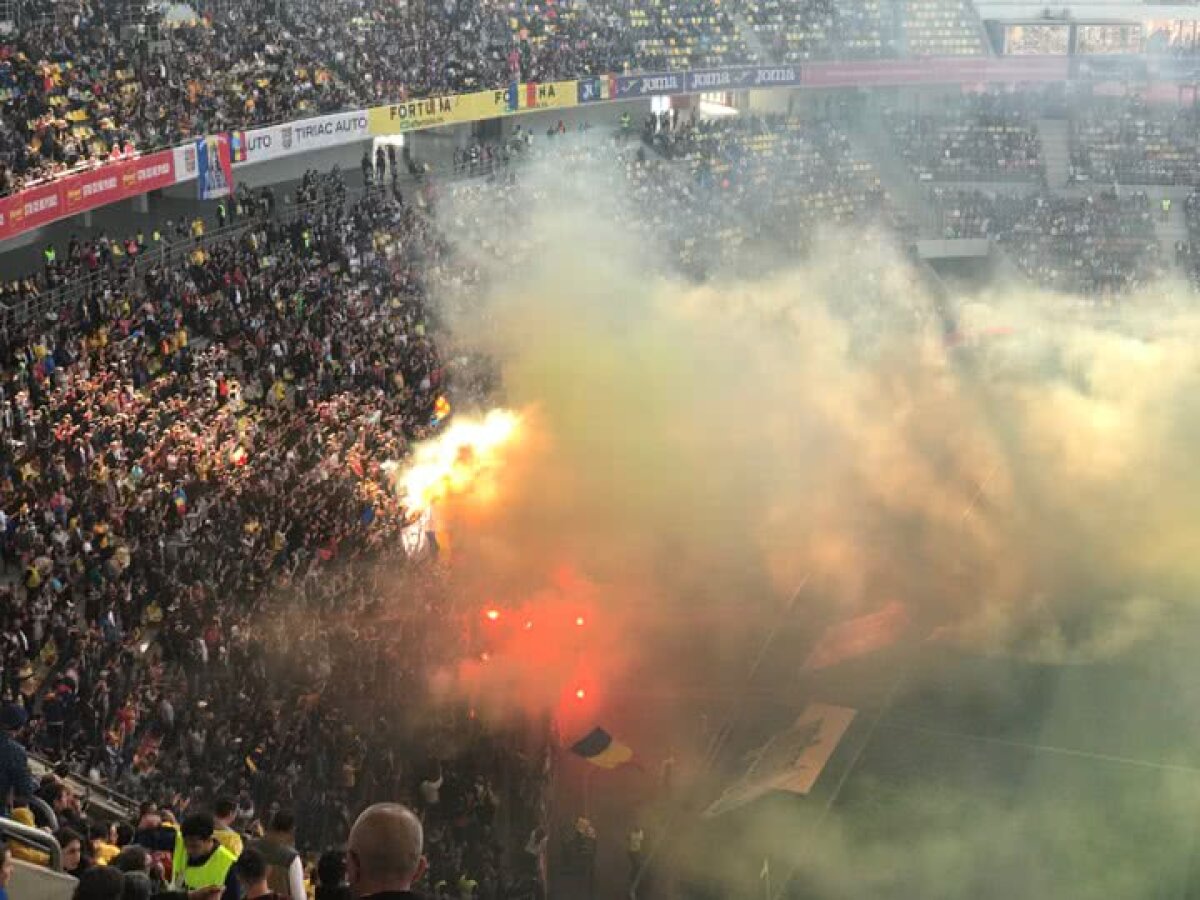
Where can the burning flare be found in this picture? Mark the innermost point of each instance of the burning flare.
(462, 459)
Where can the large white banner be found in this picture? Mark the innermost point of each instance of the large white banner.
(303, 136)
(791, 760)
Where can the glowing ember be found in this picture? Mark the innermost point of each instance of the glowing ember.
(459, 460)
(492, 614)
(580, 694)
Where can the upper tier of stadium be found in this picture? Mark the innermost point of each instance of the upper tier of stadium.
(83, 82)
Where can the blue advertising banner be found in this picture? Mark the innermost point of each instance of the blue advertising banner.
(742, 77)
(631, 86)
(732, 79)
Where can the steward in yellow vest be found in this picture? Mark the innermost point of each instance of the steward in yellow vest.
(200, 861)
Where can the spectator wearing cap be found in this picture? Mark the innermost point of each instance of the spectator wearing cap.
(384, 857)
(225, 811)
(202, 862)
(278, 847)
(15, 778)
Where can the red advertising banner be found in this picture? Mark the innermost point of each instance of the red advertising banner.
(75, 194)
(29, 209)
(149, 173)
(892, 72)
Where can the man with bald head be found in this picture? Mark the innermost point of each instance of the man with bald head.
(383, 859)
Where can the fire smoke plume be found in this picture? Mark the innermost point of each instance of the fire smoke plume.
(697, 451)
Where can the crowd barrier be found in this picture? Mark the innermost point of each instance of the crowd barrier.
(121, 180)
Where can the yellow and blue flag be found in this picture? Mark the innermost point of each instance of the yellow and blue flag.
(600, 749)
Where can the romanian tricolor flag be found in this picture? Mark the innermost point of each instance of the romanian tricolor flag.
(238, 150)
(180, 499)
(600, 749)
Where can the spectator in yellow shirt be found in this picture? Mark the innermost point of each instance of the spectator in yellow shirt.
(224, 814)
(104, 843)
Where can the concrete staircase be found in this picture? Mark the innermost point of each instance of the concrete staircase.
(1056, 151)
(751, 39)
(1174, 228)
(871, 141)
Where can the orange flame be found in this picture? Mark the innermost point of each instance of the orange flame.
(462, 459)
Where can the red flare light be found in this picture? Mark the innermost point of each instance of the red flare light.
(580, 694)
(492, 615)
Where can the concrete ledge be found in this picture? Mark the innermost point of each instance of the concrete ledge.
(961, 248)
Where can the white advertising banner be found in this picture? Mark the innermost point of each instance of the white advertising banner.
(302, 136)
(185, 162)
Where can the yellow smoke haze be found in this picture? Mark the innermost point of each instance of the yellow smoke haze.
(811, 422)
(697, 451)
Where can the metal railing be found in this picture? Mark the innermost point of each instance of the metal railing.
(73, 292)
(16, 315)
(94, 796)
(35, 838)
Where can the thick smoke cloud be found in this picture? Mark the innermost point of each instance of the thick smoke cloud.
(1030, 492)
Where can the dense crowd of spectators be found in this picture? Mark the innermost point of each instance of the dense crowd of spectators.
(103, 260)
(769, 179)
(942, 28)
(818, 29)
(78, 88)
(193, 451)
(210, 606)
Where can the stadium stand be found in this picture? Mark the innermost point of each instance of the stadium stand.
(1100, 244)
(685, 34)
(195, 427)
(985, 137)
(819, 29)
(942, 28)
(804, 174)
(75, 94)
(150, 436)
(1134, 143)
